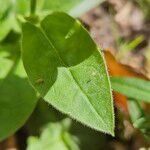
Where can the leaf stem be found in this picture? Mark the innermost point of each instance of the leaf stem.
(33, 7)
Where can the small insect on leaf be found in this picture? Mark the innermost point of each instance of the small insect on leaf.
(39, 81)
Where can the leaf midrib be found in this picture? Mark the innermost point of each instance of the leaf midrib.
(77, 84)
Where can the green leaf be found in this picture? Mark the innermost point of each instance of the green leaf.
(89, 139)
(73, 7)
(132, 87)
(7, 25)
(8, 13)
(17, 99)
(139, 118)
(135, 110)
(7, 5)
(55, 136)
(11, 9)
(5, 65)
(64, 64)
(47, 114)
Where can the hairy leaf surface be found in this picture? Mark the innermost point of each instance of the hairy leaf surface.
(65, 66)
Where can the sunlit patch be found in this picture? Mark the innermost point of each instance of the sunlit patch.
(76, 26)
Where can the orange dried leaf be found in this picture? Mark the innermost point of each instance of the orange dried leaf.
(117, 69)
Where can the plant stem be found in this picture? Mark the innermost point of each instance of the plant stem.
(33, 7)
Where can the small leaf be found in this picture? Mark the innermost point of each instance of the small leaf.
(8, 12)
(72, 68)
(132, 87)
(55, 136)
(139, 118)
(5, 65)
(135, 110)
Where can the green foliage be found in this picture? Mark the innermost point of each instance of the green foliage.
(8, 14)
(139, 118)
(55, 136)
(132, 87)
(125, 47)
(17, 97)
(67, 69)
(145, 5)
(12, 10)
(131, 45)
(73, 7)
(48, 114)
(17, 101)
(89, 139)
(64, 66)
(43, 114)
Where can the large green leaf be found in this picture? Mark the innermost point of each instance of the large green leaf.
(55, 136)
(17, 97)
(64, 64)
(132, 87)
